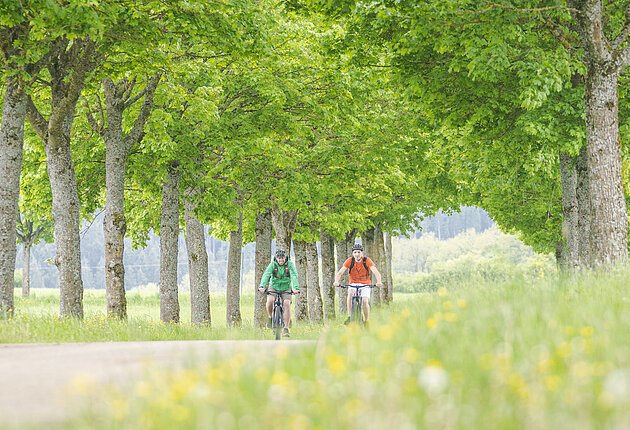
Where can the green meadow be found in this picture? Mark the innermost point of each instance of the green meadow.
(517, 355)
(37, 320)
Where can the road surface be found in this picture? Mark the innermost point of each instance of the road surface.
(36, 380)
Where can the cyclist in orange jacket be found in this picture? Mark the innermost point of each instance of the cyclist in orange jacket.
(359, 273)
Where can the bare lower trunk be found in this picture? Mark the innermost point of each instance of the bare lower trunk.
(197, 266)
(344, 251)
(569, 245)
(65, 205)
(11, 148)
(263, 253)
(388, 275)
(169, 232)
(609, 225)
(328, 274)
(26, 269)
(114, 228)
(301, 300)
(315, 309)
(370, 244)
(584, 211)
(284, 223)
(233, 291)
(379, 258)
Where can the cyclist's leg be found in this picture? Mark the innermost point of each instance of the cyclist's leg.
(269, 304)
(287, 310)
(365, 302)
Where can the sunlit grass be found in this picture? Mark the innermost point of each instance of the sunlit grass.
(511, 356)
(37, 320)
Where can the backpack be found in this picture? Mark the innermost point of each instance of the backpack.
(364, 265)
(287, 274)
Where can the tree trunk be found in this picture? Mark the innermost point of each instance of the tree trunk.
(68, 71)
(11, 147)
(609, 225)
(344, 251)
(569, 244)
(604, 60)
(233, 291)
(379, 261)
(584, 246)
(197, 265)
(26, 269)
(388, 275)
(118, 99)
(370, 244)
(315, 310)
(263, 253)
(65, 206)
(301, 300)
(114, 227)
(169, 232)
(284, 223)
(328, 274)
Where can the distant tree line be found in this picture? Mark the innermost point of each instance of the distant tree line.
(144, 268)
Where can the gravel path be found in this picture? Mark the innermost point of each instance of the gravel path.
(36, 379)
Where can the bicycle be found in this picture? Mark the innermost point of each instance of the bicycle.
(277, 318)
(356, 313)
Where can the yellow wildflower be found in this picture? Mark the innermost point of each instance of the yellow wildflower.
(410, 355)
(336, 363)
(587, 331)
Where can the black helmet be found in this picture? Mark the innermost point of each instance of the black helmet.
(357, 246)
(281, 253)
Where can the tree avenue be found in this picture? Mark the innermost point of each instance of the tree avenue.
(308, 122)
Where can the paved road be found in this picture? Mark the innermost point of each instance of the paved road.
(36, 379)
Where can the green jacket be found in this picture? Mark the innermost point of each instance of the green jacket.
(280, 282)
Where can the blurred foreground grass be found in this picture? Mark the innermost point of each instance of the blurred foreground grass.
(553, 355)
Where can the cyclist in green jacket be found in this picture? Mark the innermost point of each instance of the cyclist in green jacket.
(283, 275)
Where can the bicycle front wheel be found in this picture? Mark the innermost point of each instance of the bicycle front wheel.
(276, 321)
(356, 310)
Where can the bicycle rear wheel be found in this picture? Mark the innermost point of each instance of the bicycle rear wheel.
(276, 322)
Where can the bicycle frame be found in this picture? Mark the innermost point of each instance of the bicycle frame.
(356, 308)
(277, 315)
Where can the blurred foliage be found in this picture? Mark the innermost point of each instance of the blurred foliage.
(426, 263)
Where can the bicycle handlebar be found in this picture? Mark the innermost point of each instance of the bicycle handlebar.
(358, 286)
(274, 292)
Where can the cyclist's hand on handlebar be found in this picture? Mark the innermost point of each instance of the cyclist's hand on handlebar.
(336, 284)
(379, 284)
(296, 291)
(262, 290)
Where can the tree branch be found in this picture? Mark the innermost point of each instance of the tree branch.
(623, 35)
(136, 133)
(81, 59)
(518, 9)
(37, 120)
(589, 17)
(96, 127)
(622, 59)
